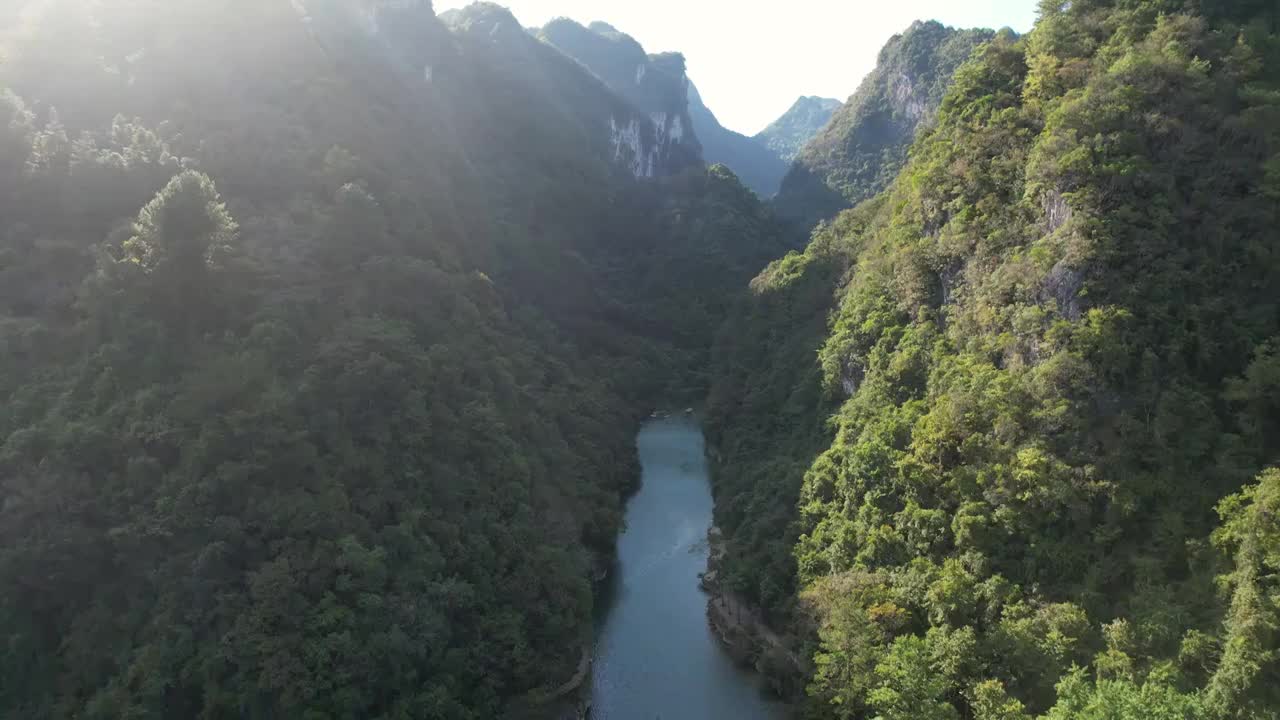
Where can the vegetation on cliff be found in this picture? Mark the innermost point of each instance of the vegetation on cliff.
(860, 151)
(1050, 355)
(325, 327)
(788, 135)
(317, 391)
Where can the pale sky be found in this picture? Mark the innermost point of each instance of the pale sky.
(752, 58)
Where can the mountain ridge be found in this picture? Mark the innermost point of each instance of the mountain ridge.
(655, 84)
(861, 149)
(619, 60)
(757, 165)
(979, 445)
(788, 135)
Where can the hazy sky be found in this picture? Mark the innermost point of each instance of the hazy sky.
(752, 58)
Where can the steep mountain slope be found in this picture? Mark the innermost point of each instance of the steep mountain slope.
(760, 167)
(657, 84)
(1051, 353)
(654, 84)
(859, 152)
(787, 135)
(317, 375)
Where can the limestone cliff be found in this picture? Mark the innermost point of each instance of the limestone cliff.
(655, 136)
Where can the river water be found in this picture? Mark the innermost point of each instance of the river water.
(655, 656)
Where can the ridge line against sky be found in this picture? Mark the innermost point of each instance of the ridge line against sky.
(751, 61)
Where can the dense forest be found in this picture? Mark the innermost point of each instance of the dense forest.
(326, 327)
(1001, 442)
(324, 332)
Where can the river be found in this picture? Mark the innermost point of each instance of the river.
(655, 656)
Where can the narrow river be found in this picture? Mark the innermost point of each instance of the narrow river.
(655, 657)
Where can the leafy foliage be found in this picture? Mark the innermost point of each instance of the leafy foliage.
(1049, 353)
(860, 151)
(317, 383)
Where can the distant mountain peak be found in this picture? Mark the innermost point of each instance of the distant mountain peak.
(604, 28)
(758, 167)
(659, 85)
(861, 148)
(483, 17)
(806, 116)
(817, 100)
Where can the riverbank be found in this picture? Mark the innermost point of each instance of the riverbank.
(656, 655)
(745, 633)
(659, 598)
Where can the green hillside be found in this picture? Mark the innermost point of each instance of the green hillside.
(973, 438)
(864, 145)
(319, 383)
(788, 135)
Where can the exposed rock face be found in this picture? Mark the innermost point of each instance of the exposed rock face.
(638, 145)
(655, 136)
(1063, 286)
(652, 83)
(788, 135)
(865, 143)
(635, 113)
(685, 131)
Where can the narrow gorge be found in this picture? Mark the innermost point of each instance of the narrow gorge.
(331, 333)
(655, 655)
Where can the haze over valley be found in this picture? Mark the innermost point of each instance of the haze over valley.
(370, 359)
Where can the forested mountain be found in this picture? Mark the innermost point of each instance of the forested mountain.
(654, 84)
(324, 331)
(657, 84)
(1001, 442)
(797, 126)
(326, 327)
(860, 151)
